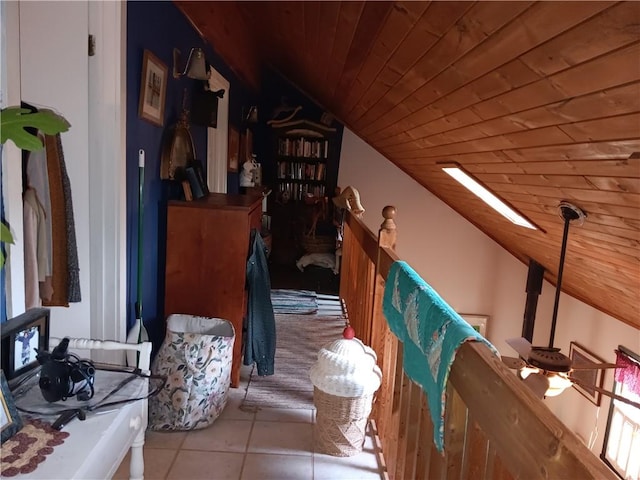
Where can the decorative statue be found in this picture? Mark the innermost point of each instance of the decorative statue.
(349, 199)
(247, 177)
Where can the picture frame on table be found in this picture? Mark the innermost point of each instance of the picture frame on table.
(580, 356)
(197, 180)
(153, 89)
(234, 149)
(10, 420)
(21, 337)
(478, 322)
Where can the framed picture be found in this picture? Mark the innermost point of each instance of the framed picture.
(478, 322)
(10, 421)
(581, 356)
(153, 89)
(234, 149)
(22, 337)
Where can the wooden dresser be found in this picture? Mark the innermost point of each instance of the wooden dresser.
(207, 249)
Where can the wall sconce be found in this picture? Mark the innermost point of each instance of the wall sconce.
(250, 115)
(196, 66)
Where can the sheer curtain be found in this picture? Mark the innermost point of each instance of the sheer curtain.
(622, 438)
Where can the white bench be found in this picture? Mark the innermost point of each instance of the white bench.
(96, 447)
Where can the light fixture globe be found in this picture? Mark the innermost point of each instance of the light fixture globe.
(558, 382)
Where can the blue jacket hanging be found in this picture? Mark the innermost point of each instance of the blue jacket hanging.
(260, 324)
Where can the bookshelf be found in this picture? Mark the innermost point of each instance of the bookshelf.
(304, 175)
(304, 158)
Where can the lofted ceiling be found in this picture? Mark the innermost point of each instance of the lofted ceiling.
(539, 100)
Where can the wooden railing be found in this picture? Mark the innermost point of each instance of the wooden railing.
(494, 426)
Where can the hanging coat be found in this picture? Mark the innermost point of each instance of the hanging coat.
(260, 324)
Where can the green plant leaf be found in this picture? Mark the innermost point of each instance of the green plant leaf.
(5, 234)
(5, 237)
(14, 120)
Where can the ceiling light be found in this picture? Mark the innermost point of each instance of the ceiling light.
(487, 196)
(557, 384)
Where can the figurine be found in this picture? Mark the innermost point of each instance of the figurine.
(247, 178)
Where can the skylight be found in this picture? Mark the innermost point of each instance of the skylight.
(487, 196)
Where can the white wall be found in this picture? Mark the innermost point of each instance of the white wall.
(49, 66)
(54, 74)
(12, 157)
(475, 275)
(437, 241)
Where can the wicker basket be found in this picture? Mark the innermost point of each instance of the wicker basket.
(319, 243)
(341, 423)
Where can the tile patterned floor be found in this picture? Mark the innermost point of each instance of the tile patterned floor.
(270, 444)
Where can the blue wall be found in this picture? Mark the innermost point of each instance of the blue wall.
(160, 27)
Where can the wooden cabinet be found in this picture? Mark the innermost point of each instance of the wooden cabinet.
(207, 249)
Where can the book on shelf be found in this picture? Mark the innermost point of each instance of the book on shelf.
(186, 188)
(299, 190)
(303, 147)
(199, 171)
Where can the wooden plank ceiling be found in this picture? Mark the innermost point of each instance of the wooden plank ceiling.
(539, 100)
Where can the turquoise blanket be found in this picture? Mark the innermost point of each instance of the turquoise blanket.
(431, 332)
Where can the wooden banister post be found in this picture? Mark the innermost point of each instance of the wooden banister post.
(387, 232)
(379, 328)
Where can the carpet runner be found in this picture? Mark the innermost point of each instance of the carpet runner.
(298, 340)
(297, 302)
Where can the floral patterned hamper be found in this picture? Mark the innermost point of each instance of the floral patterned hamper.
(196, 358)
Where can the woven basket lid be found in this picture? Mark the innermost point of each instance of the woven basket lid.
(346, 368)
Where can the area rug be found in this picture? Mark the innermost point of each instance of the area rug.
(298, 340)
(329, 305)
(296, 302)
(22, 453)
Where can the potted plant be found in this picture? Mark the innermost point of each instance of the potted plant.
(14, 122)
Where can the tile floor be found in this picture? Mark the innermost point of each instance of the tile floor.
(270, 444)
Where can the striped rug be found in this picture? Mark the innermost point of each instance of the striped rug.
(298, 340)
(298, 302)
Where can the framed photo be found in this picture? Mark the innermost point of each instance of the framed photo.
(10, 421)
(153, 89)
(478, 322)
(234, 149)
(581, 356)
(22, 337)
